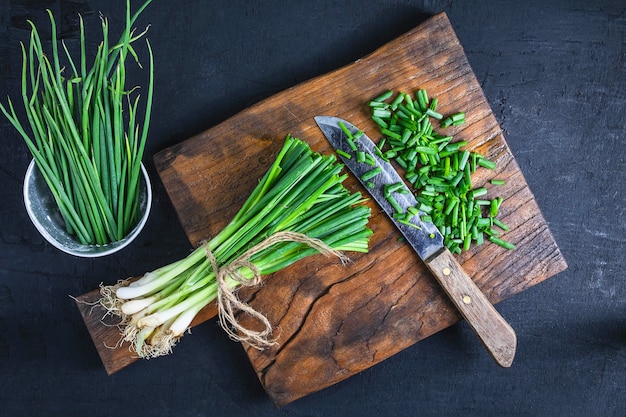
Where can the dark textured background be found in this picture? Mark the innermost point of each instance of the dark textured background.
(554, 73)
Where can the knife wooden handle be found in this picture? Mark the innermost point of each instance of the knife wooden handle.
(495, 333)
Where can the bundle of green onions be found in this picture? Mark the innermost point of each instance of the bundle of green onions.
(86, 139)
(299, 208)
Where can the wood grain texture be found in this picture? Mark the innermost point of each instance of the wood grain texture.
(492, 329)
(333, 321)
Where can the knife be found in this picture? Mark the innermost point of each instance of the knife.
(424, 237)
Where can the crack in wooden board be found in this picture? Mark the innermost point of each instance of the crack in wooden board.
(322, 338)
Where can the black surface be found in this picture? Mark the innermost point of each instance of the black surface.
(554, 73)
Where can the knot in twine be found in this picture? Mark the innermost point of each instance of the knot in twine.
(228, 301)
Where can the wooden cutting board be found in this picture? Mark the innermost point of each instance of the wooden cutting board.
(334, 321)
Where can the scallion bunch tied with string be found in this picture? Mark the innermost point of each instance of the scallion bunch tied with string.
(299, 208)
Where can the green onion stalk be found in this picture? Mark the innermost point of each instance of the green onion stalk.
(86, 137)
(302, 193)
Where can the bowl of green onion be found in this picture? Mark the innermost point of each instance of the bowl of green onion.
(86, 190)
(44, 212)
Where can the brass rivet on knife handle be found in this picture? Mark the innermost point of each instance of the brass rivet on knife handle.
(495, 333)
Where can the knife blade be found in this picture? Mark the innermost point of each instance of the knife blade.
(426, 240)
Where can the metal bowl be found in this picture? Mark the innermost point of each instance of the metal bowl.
(43, 212)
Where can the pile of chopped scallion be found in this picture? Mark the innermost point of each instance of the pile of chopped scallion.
(86, 139)
(439, 169)
(302, 192)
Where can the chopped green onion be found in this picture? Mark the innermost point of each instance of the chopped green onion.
(390, 154)
(467, 241)
(379, 153)
(484, 162)
(426, 150)
(457, 117)
(503, 243)
(422, 99)
(464, 158)
(478, 192)
(439, 169)
(483, 223)
(501, 225)
(345, 130)
(446, 122)
(454, 147)
(384, 96)
(434, 114)
(451, 204)
(382, 113)
(498, 182)
(394, 203)
(380, 122)
(408, 223)
(371, 173)
(397, 187)
(396, 101)
(381, 143)
(344, 154)
(493, 209)
(390, 134)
